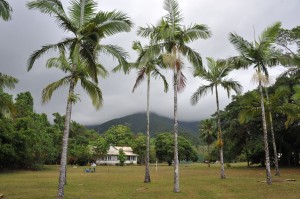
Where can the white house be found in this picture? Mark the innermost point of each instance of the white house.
(112, 156)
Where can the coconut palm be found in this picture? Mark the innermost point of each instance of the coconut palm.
(5, 10)
(260, 54)
(148, 69)
(216, 75)
(171, 37)
(208, 134)
(87, 28)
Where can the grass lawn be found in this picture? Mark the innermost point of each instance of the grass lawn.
(110, 182)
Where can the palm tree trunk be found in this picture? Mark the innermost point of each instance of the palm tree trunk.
(147, 172)
(277, 173)
(267, 163)
(63, 161)
(176, 161)
(220, 135)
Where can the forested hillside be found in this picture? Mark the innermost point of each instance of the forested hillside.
(158, 124)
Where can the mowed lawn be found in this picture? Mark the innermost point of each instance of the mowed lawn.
(115, 182)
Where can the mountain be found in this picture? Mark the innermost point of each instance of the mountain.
(158, 124)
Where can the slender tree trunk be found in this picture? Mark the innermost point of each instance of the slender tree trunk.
(268, 170)
(277, 173)
(63, 161)
(147, 172)
(176, 161)
(208, 155)
(247, 154)
(220, 135)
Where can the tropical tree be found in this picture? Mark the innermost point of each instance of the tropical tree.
(207, 133)
(260, 54)
(6, 81)
(7, 107)
(171, 38)
(5, 10)
(147, 69)
(216, 75)
(87, 27)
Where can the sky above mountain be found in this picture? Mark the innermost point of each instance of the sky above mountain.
(29, 30)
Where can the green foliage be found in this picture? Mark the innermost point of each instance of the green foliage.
(119, 135)
(122, 157)
(164, 146)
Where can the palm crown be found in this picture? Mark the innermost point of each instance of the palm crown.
(216, 74)
(88, 28)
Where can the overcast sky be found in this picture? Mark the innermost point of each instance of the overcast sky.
(29, 30)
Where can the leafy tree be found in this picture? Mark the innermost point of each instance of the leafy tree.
(5, 10)
(148, 68)
(208, 134)
(260, 55)
(216, 75)
(119, 135)
(88, 28)
(122, 157)
(139, 146)
(172, 37)
(99, 147)
(164, 145)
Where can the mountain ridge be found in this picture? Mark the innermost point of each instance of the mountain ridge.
(158, 124)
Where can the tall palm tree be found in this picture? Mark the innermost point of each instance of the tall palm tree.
(148, 68)
(171, 37)
(207, 133)
(87, 27)
(260, 54)
(5, 10)
(216, 75)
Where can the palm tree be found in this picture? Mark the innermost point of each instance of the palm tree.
(5, 10)
(171, 37)
(148, 69)
(216, 75)
(7, 107)
(81, 74)
(275, 103)
(88, 27)
(207, 133)
(261, 55)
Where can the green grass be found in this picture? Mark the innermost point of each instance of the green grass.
(196, 181)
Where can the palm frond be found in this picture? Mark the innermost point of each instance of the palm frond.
(193, 56)
(110, 23)
(196, 31)
(269, 35)
(117, 53)
(240, 44)
(5, 10)
(46, 48)
(7, 81)
(231, 84)
(156, 73)
(82, 11)
(201, 92)
(140, 78)
(93, 91)
(48, 91)
(174, 16)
